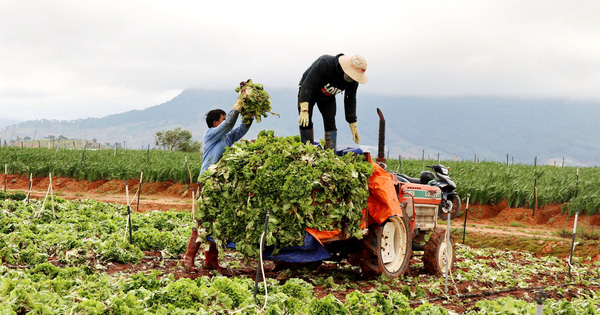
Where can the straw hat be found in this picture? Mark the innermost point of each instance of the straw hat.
(354, 67)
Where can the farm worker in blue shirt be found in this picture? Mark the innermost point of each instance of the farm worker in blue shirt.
(220, 134)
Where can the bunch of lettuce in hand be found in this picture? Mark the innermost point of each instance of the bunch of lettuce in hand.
(257, 102)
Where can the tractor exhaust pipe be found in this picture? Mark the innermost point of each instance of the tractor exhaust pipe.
(381, 147)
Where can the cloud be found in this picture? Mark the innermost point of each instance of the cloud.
(88, 58)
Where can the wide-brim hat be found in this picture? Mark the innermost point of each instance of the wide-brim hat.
(354, 67)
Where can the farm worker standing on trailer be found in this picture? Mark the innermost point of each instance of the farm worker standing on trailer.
(220, 134)
(320, 83)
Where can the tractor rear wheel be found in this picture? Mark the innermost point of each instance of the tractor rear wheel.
(438, 254)
(387, 248)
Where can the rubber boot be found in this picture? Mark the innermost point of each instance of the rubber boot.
(307, 135)
(330, 139)
(192, 250)
(212, 258)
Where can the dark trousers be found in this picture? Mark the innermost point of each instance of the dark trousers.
(327, 107)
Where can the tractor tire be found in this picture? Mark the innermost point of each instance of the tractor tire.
(434, 256)
(453, 203)
(387, 248)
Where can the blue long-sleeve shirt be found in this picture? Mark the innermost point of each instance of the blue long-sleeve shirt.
(216, 139)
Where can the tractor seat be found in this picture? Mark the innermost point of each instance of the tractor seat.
(408, 179)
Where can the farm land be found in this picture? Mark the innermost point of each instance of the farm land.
(515, 249)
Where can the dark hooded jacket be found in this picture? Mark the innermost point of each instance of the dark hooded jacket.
(323, 80)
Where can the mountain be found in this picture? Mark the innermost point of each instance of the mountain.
(490, 128)
(7, 122)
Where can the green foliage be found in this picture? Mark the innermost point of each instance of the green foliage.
(493, 182)
(101, 164)
(328, 305)
(84, 228)
(280, 175)
(12, 195)
(177, 140)
(297, 288)
(257, 101)
(49, 289)
(486, 182)
(119, 250)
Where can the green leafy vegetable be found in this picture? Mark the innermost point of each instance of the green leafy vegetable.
(257, 101)
(301, 186)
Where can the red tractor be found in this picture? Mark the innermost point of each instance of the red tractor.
(405, 222)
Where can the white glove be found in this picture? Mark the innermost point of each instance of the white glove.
(238, 105)
(355, 135)
(303, 119)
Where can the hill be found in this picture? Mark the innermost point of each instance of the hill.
(487, 127)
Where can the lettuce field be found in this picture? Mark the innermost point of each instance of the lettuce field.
(77, 259)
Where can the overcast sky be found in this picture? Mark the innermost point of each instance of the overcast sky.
(76, 59)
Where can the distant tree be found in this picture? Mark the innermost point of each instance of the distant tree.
(27, 138)
(94, 140)
(177, 140)
(49, 137)
(108, 144)
(61, 137)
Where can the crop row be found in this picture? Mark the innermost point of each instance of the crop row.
(75, 232)
(486, 182)
(92, 165)
(520, 185)
(78, 230)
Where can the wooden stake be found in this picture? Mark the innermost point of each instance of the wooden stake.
(52, 196)
(139, 191)
(193, 205)
(30, 185)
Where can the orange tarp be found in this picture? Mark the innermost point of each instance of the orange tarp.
(383, 201)
(322, 235)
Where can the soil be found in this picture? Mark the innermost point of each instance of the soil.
(545, 232)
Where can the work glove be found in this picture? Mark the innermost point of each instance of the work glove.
(238, 105)
(355, 135)
(303, 119)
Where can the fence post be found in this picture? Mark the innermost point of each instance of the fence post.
(574, 227)
(140, 191)
(534, 194)
(465, 224)
(30, 185)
